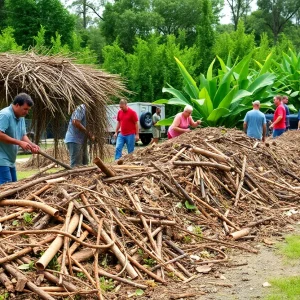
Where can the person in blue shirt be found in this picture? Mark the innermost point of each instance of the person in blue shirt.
(255, 122)
(285, 101)
(13, 135)
(76, 137)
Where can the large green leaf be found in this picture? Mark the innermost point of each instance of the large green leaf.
(240, 95)
(267, 64)
(242, 68)
(190, 82)
(207, 106)
(209, 75)
(266, 79)
(166, 122)
(224, 88)
(175, 93)
(225, 103)
(217, 113)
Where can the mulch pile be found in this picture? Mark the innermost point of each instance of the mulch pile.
(169, 211)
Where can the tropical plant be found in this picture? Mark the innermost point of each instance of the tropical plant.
(288, 74)
(223, 99)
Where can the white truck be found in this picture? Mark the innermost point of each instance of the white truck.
(144, 110)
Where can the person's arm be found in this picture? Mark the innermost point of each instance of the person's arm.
(9, 140)
(299, 124)
(77, 123)
(245, 125)
(194, 124)
(137, 136)
(117, 129)
(34, 148)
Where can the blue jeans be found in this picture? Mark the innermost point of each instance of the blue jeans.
(129, 140)
(278, 132)
(8, 174)
(78, 154)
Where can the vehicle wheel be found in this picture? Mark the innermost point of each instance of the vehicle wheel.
(146, 120)
(146, 139)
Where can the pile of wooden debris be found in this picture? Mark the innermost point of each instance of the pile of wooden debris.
(160, 215)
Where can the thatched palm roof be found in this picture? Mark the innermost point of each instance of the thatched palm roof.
(57, 86)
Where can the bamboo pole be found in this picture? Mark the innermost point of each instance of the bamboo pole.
(44, 207)
(56, 245)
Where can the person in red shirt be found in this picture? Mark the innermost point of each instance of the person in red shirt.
(278, 124)
(129, 134)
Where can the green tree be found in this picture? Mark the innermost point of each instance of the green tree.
(239, 9)
(237, 43)
(127, 19)
(7, 41)
(27, 16)
(278, 13)
(206, 35)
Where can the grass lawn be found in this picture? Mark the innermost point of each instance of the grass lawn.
(287, 287)
(27, 173)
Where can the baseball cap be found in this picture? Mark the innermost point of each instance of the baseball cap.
(256, 102)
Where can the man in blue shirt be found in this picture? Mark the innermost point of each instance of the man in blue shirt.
(13, 135)
(285, 101)
(255, 122)
(76, 137)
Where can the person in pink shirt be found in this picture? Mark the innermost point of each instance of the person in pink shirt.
(182, 123)
(278, 124)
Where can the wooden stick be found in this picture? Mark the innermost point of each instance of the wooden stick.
(42, 170)
(66, 240)
(209, 154)
(54, 160)
(241, 181)
(17, 274)
(44, 207)
(108, 171)
(36, 181)
(218, 214)
(114, 248)
(124, 177)
(177, 155)
(6, 281)
(152, 221)
(184, 193)
(96, 269)
(202, 164)
(135, 201)
(24, 251)
(56, 245)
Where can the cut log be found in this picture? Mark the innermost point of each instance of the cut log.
(108, 171)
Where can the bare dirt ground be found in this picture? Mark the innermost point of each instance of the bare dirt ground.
(239, 279)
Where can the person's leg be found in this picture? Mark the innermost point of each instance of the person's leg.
(119, 146)
(13, 173)
(85, 156)
(130, 142)
(75, 154)
(5, 175)
(277, 132)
